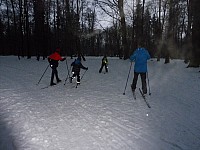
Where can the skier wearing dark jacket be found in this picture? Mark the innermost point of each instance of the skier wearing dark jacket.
(104, 63)
(53, 61)
(76, 67)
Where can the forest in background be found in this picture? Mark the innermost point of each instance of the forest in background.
(167, 28)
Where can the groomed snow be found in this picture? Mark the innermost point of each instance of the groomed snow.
(96, 115)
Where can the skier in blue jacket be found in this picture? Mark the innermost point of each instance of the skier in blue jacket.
(76, 67)
(140, 57)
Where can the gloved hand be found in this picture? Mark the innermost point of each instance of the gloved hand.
(49, 60)
(87, 68)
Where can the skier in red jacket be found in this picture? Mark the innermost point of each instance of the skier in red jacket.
(53, 60)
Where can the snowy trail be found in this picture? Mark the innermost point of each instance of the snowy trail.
(96, 115)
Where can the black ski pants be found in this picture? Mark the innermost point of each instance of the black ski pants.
(143, 79)
(103, 65)
(54, 73)
(76, 74)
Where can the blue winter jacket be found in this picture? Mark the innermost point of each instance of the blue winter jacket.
(140, 56)
(77, 65)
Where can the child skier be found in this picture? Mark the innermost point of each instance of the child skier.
(76, 67)
(104, 63)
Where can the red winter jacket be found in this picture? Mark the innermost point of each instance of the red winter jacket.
(54, 58)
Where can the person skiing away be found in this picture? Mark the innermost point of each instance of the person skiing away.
(104, 63)
(140, 57)
(53, 61)
(76, 67)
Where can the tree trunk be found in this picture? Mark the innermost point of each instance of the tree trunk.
(123, 29)
(195, 60)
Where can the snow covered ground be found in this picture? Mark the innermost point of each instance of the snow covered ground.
(96, 115)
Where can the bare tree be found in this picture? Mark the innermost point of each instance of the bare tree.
(195, 59)
(116, 11)
(123, 29)
(15, 24)
(39, 28)
(27, 28)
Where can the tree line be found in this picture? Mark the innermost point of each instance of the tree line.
(167, 28)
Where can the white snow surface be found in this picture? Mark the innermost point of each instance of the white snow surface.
(96, 115)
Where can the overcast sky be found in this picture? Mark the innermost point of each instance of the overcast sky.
(106, 21)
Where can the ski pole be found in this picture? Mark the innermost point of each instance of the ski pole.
(148, 83)
(127, 78)
(67, 67)
(81, 78)
(43, 74)
(68, 72)
(68, 76)
(83, 75)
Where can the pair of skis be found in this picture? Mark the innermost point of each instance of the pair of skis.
(50, 85)
(77, 84)
(143, 96)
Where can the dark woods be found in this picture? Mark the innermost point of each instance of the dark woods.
(167, 28)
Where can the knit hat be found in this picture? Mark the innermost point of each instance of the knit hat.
(58, 50)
